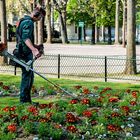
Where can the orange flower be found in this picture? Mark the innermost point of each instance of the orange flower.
(12, 128)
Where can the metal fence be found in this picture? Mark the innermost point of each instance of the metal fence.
(102, 68)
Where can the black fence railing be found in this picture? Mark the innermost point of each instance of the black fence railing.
(81, 67)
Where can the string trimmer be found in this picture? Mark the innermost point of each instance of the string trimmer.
(27, 66)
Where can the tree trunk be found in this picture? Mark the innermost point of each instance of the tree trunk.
(124, 24)
(3, 60)
(117, 23)
(103, 33)
(49, 33)
(96, 34)
(109, 35)
(63, 27)
(40, 31)
(93, 34)
(131, 46)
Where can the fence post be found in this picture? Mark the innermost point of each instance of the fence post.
(58, 65)
(15, 72)
(105, 68)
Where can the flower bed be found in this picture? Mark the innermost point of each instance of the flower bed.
(95, 114)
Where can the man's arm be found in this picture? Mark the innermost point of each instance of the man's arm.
(32, 48)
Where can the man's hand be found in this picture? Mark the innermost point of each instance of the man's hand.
(36, 53)
(40, 48)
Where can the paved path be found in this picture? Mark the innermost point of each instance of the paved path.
(78, 49)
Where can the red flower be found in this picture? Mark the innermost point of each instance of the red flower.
(77, 87)
(133, 103)
(42, 106)
(105, 89)
(113, 128)
(100, 99)
(33, 110)
(12, 116)
(6, 109)
(25, 117)
(74, 101)
(86, 91)
(134, 94)
(72, 128)
(85, 101)
(115, 114)
(95, 88)
(125, 108)
(71, 118)
(57, 126)
(113, 99)
(43, 120)
(49, 115)
(128, 90)
(12, 108)
(12, 128)
(6, 87)
(50, 105)
(87, 113)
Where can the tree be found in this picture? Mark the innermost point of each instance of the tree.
(131, 31)
(61, 6)
(124, 23)
(48, 16)
(117, 23)
(3, 27)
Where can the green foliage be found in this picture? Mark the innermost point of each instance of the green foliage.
(7, 136)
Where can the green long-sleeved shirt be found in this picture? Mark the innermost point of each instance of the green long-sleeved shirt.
(26, 31)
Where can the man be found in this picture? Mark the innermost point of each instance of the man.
(27, 50)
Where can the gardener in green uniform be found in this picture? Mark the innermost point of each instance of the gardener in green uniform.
(27, 50)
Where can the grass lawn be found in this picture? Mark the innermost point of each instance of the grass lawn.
(102, 111)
